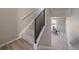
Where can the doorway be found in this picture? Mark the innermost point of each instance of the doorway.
(58, 38)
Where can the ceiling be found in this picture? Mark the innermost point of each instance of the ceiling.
(60, 12)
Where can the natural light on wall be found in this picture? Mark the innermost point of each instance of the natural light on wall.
(53, 23)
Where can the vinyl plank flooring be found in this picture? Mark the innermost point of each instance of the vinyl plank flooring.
(19, 44)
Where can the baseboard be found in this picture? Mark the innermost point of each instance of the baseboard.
(10, 41)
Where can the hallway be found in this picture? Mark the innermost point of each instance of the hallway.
(51, 41)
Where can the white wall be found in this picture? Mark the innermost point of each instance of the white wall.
(47, 17)
(61, 25)
(8, 24)
(11, 22)
(73, 25)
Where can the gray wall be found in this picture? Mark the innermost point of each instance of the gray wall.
(72, 24)
(8, 24)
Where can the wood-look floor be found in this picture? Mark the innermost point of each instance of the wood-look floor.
(19, 44)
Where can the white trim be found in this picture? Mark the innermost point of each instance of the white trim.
(10, 41)
(35, 46)
(24, 30)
